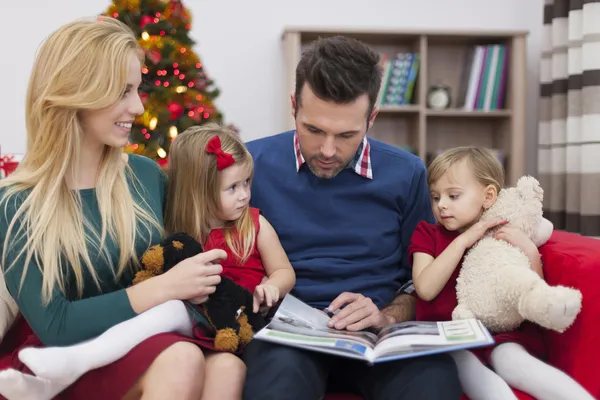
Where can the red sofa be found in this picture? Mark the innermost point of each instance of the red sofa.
(570, 260)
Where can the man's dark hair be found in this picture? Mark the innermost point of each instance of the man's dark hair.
(339, 69)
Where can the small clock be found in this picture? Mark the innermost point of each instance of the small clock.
(438, 97)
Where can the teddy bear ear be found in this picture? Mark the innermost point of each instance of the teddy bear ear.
(529, 188)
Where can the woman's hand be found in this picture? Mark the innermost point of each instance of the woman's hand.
(194, 278)
(476, 232)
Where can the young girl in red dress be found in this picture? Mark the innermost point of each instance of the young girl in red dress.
(464, 182)
(210, 174)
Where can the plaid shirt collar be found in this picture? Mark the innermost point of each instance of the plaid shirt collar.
(361, 163)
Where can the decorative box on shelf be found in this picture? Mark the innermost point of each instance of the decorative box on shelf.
(8, 164)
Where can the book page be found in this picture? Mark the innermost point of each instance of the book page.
(301, 313)
(297, 324)
(295, 327)
(409, 328)
(294, 316)
(421, 337)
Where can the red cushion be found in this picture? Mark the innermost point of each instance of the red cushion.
(15, 337)
(569, 260)
(574, 260)
(346, 396)
(342, 396)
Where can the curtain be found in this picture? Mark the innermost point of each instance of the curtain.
(569, 127)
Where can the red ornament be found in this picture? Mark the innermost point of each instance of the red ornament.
(145, 20)
(195, 116)
(175, 109)
(178, 11)
(7, 164)
(163, 162)
(154, 56)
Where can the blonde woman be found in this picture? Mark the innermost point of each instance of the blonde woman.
(210, 175)
(77, 214)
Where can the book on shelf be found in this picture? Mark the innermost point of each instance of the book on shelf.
(483, 84)
(296, 324)
(398, 79)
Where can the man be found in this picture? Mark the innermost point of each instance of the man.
(345, 207)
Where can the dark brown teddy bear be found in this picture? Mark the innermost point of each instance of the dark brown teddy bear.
(228, 310)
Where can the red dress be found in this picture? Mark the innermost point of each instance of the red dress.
(252, 272)
(433, 239)
(115, 380)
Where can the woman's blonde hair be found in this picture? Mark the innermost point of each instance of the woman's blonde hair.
(83, 65)
(194, 194)
(481, 161)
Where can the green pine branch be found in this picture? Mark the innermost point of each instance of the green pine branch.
(162, 28)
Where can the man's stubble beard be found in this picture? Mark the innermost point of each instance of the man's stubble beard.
(329, 175)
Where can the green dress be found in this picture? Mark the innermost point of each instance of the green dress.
(69, 319)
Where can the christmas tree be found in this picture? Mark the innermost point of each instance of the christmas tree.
(176, 91)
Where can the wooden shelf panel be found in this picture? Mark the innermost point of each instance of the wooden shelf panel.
(472, 40)
(400, 109)
(469, 114)
(398, 130)
(378, 42)
(444, 133)
(473, 35)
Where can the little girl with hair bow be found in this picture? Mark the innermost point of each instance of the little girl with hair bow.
(210, 175)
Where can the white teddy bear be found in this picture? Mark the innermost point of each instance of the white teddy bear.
(496, 283)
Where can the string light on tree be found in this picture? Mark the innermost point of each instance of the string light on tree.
(176, 91)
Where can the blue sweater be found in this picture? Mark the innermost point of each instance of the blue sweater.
(348, 233)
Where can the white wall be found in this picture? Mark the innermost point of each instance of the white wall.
(239, 43)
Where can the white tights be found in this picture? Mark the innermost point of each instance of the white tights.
(516, 368)
(56, 368)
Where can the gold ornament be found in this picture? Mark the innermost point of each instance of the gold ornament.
(137, 148)
(113, 9)
(132, 4)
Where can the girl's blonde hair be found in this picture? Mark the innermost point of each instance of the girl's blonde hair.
(83, 65)
(481, 161)
(194, 193)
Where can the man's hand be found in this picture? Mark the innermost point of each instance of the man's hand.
(358, 314)
(401, 309)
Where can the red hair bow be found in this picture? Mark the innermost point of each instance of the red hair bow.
(224, 160)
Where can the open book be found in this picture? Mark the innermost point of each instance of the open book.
(297, 324)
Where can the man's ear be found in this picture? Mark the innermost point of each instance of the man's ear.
(293, 98)
(372, 117)
(490, 195)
